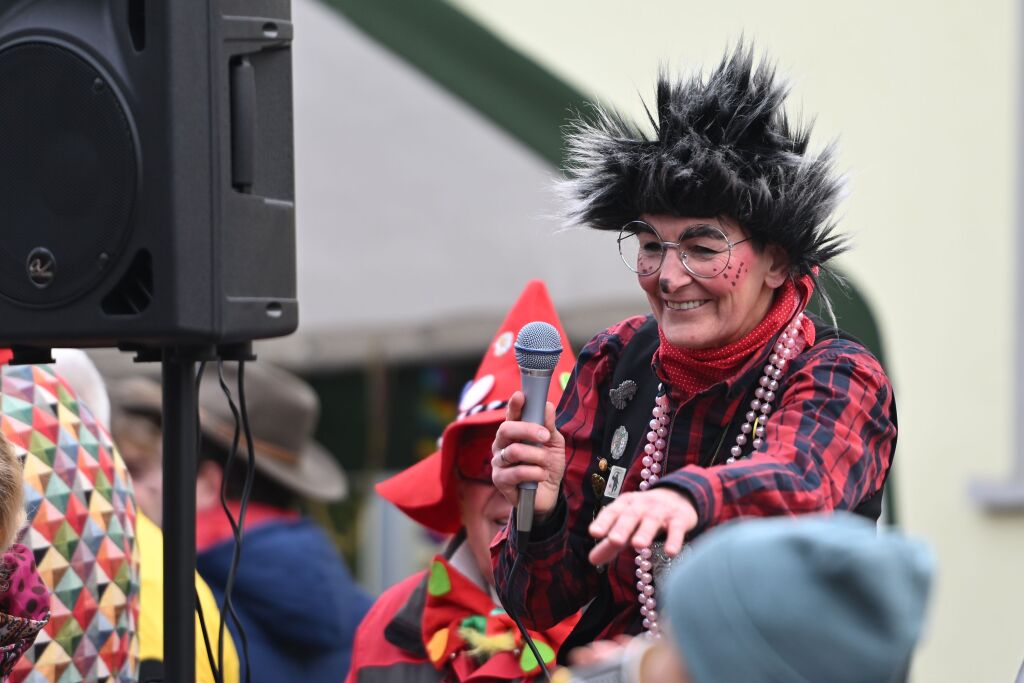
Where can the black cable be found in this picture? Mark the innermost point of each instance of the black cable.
(250, 478)
(206, 641)
(227, 607)
(519, 623)
(217, 676)
(237, 530)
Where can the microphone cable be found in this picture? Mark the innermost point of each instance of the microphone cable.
(515, 617)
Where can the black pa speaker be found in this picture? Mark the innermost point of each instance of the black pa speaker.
(146, 172)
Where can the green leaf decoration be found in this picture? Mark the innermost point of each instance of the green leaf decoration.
(528, 663)
(439, 583)
(476, 622)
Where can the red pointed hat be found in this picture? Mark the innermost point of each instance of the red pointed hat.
(427, 491)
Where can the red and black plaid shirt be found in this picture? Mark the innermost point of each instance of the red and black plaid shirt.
(828, 446)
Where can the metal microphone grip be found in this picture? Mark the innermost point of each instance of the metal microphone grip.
(535, 391)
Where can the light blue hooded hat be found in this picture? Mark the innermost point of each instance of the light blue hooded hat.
(816, 599)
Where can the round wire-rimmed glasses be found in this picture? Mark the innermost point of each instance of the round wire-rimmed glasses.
(703, 249)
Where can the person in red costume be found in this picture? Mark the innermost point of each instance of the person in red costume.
(728, 400)
(445, 623)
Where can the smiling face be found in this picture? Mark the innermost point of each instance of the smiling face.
(484, 512)
(705, 313)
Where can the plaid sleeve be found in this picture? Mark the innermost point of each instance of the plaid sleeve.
(554, 578)
(828, 445)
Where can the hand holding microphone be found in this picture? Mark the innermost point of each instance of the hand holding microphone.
(529, 453)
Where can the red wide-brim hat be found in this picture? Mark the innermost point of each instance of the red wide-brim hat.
(427, 491)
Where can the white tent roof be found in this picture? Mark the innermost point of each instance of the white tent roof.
(418, 220)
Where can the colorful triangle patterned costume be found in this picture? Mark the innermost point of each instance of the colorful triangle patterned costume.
(81, 530)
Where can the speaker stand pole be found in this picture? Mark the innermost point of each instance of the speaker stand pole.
(180, 426)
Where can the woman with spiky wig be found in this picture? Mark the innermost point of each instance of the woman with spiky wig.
(728, 400)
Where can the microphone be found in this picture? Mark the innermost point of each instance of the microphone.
(538, 347)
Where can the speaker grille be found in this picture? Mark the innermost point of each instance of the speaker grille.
(68, 174)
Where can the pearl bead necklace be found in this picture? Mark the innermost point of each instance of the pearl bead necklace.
(785, 349)
(654, 452)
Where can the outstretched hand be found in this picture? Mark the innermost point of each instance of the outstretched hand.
(637, 518)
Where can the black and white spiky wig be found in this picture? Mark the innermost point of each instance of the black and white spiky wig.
(722, 146)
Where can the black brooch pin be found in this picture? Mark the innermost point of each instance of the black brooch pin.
(622, 394)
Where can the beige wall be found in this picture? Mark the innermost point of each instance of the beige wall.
(924, 101)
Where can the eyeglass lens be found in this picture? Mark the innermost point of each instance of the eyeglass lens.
(704, 250)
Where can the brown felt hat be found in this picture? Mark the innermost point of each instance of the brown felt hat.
(283, 412)
(135, 420)
(138, 395)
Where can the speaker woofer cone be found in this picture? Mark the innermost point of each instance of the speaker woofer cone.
(68, 173)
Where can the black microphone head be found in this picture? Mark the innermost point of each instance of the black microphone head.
(538, 346)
